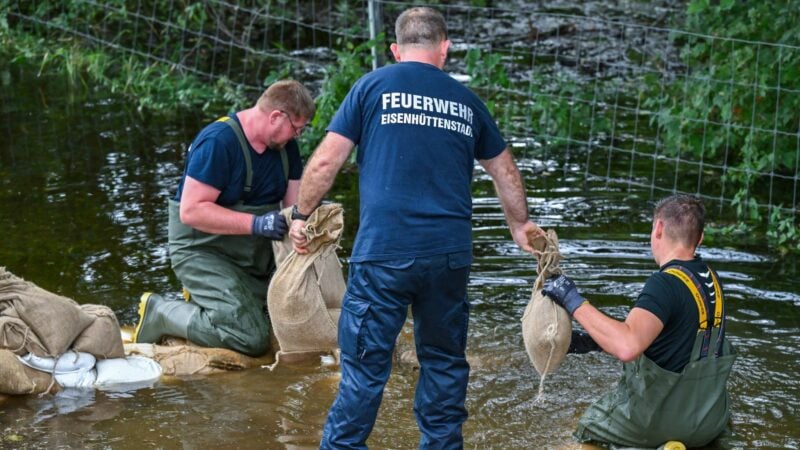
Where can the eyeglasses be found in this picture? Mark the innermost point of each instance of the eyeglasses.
(297, 131)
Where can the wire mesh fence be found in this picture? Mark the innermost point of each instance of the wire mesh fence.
(629, 102)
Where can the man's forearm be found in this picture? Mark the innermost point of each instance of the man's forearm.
(211, 218)
(509, 187)
(321, 171)
(313, 187)
(624, 340)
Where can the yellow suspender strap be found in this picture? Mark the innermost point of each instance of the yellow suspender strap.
(701, 305)
(718, 307)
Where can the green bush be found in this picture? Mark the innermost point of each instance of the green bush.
(739, 103)
(351, 63)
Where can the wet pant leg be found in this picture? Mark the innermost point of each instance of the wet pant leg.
(231, 303)
(374, 309)
(441, 318)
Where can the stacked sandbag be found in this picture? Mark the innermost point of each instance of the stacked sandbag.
(56, 342)
(178, 357)
(71, 369)
(33, 320)
(305, 294)
(83, 371)
(546, 327)
(125, 374)
(17, 379)
(102, 337)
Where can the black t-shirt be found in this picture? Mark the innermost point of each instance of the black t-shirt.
(670, 300)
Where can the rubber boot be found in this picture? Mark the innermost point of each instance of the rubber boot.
(673, 445)
(160, 317)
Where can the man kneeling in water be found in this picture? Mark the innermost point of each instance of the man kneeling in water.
(672, 343)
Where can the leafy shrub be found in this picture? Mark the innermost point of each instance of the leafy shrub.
(738, 105)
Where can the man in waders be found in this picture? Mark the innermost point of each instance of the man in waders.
(238, 171)
(418, 133)
(673, 346)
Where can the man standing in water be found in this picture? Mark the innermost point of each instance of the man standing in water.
(418, 133)
(673, 346)
(222, 220)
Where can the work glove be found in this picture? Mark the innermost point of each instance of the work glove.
(271, 225)
(562, 290)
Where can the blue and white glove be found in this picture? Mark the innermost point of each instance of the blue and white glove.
(271, 225)
(562, 290)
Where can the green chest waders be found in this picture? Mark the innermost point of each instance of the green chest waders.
(226, 275)
(651, 405)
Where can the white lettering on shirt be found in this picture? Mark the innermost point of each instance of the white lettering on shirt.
(423, 103)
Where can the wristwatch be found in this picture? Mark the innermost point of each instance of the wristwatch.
(296, 214)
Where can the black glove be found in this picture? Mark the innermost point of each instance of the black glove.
(582, 343)
(562, 290)
(271, 225)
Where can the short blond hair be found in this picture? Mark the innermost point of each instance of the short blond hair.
(289, 96)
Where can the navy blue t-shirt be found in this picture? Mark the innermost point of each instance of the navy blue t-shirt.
(418, 133)
(670, 300)
(215, 158)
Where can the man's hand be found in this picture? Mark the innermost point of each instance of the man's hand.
(298, 237)
(525, 234)
(271, 225)
(562, 290)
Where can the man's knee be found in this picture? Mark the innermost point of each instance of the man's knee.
(244, 332)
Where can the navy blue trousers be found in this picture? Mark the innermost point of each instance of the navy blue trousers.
(374, 310)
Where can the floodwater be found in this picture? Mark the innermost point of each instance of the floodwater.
(83, 185)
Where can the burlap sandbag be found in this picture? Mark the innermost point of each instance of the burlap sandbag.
(305, 294)
(180, 358)
(546, 327)
(16, 335)
(17, 378)
(55, 320)
(102, 338)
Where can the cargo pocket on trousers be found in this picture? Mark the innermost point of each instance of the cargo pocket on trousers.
(351, 325)
(459, 262)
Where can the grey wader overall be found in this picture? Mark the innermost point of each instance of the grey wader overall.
(226, 275)
(651, 405)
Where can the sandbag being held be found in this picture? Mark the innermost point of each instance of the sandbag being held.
(546, 327)
(305, 295)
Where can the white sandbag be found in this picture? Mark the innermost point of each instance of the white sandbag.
(127, 373)
(71, 370)
(67, 363)
(82, 379)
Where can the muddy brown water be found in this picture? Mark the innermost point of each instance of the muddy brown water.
(83, 187)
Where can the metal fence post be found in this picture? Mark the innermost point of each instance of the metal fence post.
(375, 28)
